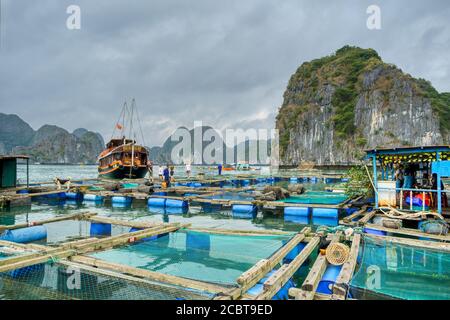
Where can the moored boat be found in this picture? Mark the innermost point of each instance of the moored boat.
(123, 157)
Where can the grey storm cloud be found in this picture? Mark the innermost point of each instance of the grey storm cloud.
(226, 63)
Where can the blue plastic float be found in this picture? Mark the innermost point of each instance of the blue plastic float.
(100, 229)
(156, 202)
(92, 197)
(296, 211)
(325, 213)
(25, 235)
(328, 279)
(244, 211)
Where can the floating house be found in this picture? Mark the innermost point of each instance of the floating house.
(8, 171)
(422, 170)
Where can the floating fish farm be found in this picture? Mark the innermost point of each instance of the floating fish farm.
(337, 247)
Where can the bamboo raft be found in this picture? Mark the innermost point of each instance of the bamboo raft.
(274, 269)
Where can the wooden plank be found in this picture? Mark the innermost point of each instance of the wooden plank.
(280, 278)
(409, 232)
(368, 216)
(345, 275)
(434, 245)
(355, 214)
(250, 277)
(147, 274)
(74, 216)
(62, 252)
(243, 232)
(299, 294)
(317, 270)
(127, 223)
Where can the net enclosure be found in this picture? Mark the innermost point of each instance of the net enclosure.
(398, 271)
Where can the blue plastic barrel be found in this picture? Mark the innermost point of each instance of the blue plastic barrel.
(293, 180)
(25, 235)
(173, 203)
(294, 252)
(328, 279)
(74, 195)
(244, 208)
(162, 193)
(156, 202)
(100, 229)
(25, 271)
(24, 191)
(92, 197)
(244, 211)
(296, 211)
(121, 199)
(325, 213)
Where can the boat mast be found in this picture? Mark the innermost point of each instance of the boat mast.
(132, 140)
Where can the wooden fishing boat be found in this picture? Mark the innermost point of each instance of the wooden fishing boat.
(124, 158)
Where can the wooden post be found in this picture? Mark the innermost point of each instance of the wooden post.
(341, 285)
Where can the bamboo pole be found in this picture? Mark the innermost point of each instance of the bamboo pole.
(149, 275)
(340, 287)
(314, 276)
(75, 216)
(409, 232)
(275, 282)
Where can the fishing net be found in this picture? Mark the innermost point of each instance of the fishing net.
(52, 281)
(214, 258)
(398, 271)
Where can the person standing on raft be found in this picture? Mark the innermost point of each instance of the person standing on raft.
(166, 175)
(188, 170)
(160, 172)
(172, 172)
(219, 168)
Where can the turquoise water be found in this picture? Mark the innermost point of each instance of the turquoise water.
(403, 272)
(196, 255)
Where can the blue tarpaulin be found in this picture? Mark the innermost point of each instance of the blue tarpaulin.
(442, 168)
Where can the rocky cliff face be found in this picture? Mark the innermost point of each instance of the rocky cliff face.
(49, 144)
(337, 106)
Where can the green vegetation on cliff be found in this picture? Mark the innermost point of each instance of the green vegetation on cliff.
(340, 81)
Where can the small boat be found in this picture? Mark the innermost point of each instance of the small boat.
(227, 167)
(124, 158)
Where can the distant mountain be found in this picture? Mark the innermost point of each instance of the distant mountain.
(14, 132)
(162, 154)
(49, 144)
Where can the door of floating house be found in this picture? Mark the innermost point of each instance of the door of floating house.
(8, 171)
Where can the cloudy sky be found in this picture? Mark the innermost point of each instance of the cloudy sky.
(225, 63)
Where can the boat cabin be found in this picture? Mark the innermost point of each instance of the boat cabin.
(118, 142)
(411, 178)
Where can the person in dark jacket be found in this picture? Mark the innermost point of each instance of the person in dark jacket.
(219, 168)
